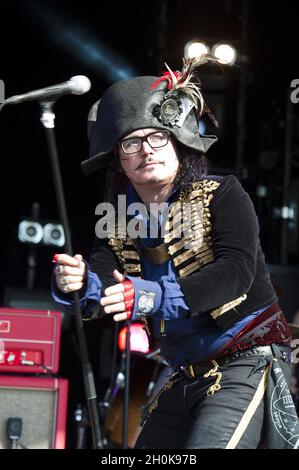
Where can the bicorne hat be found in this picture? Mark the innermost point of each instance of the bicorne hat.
(173, 102)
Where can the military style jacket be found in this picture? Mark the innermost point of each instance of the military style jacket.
(215, 250)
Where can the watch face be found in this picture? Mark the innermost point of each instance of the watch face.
(145, 304)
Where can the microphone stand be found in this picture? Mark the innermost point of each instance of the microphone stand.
(127, 388)
(31, 260)
(47, 119)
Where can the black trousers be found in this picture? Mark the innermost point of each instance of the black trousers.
(193, 413)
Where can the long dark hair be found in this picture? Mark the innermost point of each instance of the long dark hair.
(193, 166)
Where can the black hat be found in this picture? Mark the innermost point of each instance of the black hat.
(173, 102)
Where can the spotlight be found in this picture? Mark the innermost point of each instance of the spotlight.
(138, 338)
(30, 232)
(195, 49)
(41, 232)
(53, 235)
(225, 53)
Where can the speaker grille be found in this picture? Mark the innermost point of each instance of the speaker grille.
(38, 410)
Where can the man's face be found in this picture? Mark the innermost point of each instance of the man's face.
(149, 165)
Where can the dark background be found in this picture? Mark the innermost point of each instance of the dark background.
(47, 42)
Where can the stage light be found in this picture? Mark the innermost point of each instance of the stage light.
(81, 42)
(30, 232)
(225, 53)
(53, 235)
(34, 231)
(138, 339)
(195, 49)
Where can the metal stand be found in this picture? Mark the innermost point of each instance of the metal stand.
(120, 379)
(241, 134)
(31, 260)
(286, 179)
(127, 388)
(81, 426)
(47, 119)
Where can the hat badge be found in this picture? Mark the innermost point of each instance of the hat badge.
(168, 111)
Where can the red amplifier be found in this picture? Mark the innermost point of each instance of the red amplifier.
(40, 406)
(29, 340)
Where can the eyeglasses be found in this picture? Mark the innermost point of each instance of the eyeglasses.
(155, 140)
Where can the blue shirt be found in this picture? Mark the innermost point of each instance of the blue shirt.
(183, 339)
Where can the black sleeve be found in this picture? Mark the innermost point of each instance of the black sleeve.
(235, 241)
(103, 261)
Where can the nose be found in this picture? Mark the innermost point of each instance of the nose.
(146, 148)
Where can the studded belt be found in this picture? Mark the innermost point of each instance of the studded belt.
(194, 370)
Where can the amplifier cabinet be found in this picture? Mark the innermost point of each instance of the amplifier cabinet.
(29, 340)
(41, 404)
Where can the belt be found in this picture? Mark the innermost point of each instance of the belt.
(194, 370)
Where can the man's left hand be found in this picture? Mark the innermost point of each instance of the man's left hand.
(114, 299)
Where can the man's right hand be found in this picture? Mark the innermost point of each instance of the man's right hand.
(69, 272)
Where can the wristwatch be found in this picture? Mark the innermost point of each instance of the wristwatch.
(145, 303)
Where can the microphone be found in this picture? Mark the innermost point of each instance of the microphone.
(14, 431)
(77, 85)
